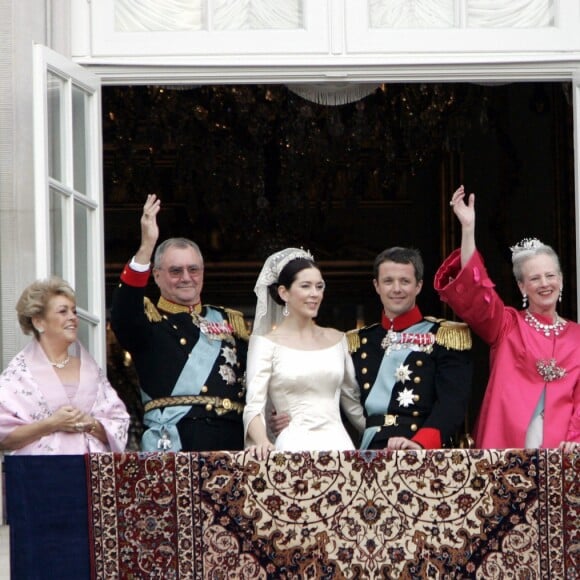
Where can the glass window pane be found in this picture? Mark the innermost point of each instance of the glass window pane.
(232, 15)
(84, 333)
(411, 14)
(80, 142)
(55, 119)
(513, 14)
(56, 233)
(82, 258)
(158, 15)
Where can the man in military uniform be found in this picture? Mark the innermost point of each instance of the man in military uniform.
(414, 372)
(190, 358)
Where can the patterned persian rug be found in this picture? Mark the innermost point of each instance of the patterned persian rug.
(377, 514)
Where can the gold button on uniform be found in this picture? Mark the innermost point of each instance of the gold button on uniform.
(364, 340)
(419, 363)
(416, 398)
(367, 386)
(209, 407)
(204, 389)
(182, 341)
(415, 413)
(417, 380)
(364, 370)
(413, 427)
(363, 355)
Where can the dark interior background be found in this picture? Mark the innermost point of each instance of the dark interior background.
(249, 169)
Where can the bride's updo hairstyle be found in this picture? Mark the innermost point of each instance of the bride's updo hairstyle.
(288, 275)
(279, 269)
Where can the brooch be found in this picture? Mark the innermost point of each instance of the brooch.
(549, 370)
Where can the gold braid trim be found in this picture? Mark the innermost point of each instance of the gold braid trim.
(454, 335)
(353, 340)
(236, 319)
(151, 311)
(174, 308)
(217, 404)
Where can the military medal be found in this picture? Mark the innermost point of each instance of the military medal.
(420, 341)
(214, 330)
(164, 442)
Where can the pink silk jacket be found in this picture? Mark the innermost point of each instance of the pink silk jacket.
(514, 385)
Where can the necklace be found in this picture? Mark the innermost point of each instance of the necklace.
(547, 329)
(60, 365)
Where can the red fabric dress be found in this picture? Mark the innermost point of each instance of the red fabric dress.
(514, 385)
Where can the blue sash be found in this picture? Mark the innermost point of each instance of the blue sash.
(162, 433)
(379, 399)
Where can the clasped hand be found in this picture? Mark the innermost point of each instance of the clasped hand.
(71, 420)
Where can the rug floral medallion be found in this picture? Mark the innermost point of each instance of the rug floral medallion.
(376, 514)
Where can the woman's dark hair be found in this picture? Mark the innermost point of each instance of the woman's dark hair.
(288, 275)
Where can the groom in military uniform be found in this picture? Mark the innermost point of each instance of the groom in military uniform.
(190, 358)
(414, 372)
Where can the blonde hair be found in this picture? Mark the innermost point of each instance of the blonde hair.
(34, 300)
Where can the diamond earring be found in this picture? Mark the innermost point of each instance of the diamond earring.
(285, 311)
(524, 300)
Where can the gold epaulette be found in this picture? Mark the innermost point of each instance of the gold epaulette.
(353, 340)
(236, 319)
(151, 311)
(452, 335)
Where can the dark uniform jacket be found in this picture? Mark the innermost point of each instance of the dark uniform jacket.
(426, 365)
(160, 339)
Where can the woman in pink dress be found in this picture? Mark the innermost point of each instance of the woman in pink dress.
(54, 398)
(532, 397)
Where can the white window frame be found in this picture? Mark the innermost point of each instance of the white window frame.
(469, 44)
(189, 46)
(357, 54)
(93, 316)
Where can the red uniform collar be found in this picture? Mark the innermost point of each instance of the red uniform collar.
(404, 321)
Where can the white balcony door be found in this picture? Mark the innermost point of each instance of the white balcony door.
(68, 187)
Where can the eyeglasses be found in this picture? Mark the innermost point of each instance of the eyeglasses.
(177, 272)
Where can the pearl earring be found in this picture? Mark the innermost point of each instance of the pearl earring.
(39, 330)
(560, 295)
(524, 300)
(285, 311)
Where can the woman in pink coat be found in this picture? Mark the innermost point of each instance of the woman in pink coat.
(532, 397)
(54, 398)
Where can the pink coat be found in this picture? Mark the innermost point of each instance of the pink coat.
(514, 385)
(30, 390)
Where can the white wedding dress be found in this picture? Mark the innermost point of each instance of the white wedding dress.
(308, 385)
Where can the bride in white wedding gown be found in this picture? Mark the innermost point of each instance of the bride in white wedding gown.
(302, 369)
